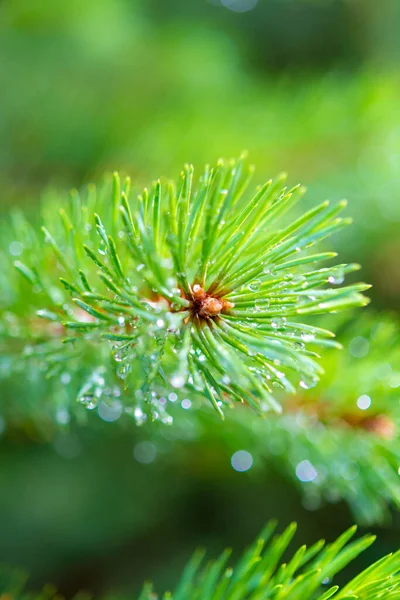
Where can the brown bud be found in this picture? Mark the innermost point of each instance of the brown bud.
(210, 307)
(198, 293)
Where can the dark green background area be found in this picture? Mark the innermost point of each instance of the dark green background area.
(311, 87)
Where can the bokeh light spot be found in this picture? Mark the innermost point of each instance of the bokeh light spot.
(305, 471)
(364, 402)
(145, 452)
(242, 461)
(359, 347)
(239, 5)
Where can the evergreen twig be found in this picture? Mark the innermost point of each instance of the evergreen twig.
(259, 573)
(191, 285)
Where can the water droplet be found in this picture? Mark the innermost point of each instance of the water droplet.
(89, 401)
(255, 285)
(186, 404)
(121, 353)
(337, 278)
(278, 322)
(123, 371)
(307, 383)
(298, 346)
(103, 249)
(261, 304)
(308, 336)
(139, 416)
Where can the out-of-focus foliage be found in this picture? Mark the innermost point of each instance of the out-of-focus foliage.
(98, 85)
(259, 573)
(335, 441)
(310, 86)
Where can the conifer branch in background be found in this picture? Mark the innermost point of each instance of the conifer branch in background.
(193, 284)
(259, 573)
(335, 442)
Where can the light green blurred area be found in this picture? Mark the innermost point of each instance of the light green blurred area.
(311, 87)
(139, 87)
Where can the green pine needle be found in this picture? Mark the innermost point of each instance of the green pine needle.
(260, 573)
(307, 575)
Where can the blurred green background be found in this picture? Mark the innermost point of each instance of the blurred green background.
(311, 87)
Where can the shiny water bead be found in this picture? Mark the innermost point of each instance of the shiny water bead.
(121, 353)
(123, 371)
(262, 304)
(298, 346)
(308, 336)
(277, 384)
(139, 416)
(255, 285)
(103, 249)
(337, 278)
(89, 401)
(278, 322)
(309, 382)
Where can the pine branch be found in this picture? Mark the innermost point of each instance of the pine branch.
(259, 573)
(340, 440)
(334, 442)
(192, 286)
(337, 441)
